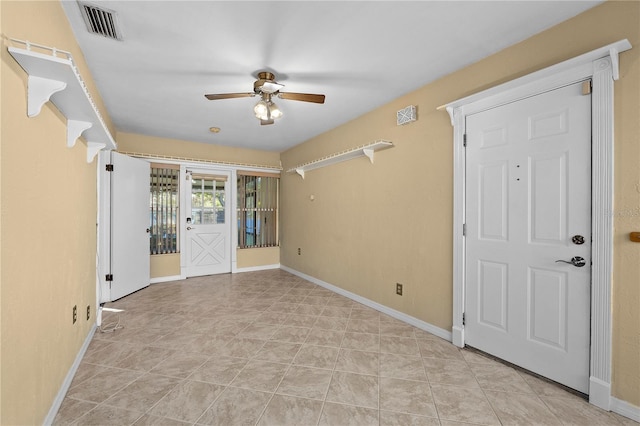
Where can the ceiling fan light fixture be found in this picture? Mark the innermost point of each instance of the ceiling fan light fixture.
(274, 111)
(261, 110)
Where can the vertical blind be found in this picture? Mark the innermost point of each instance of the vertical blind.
(258, 199)
(163, 205)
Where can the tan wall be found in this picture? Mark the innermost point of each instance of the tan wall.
(168, 265)
(163, 266)
(247, 258)
(371, 226)
(48, 223)
(131, 142)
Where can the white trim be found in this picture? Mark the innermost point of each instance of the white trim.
(601, 66)
(625, 409)
(57, 402)
(422, 325)
(599, 392)
(256, 268)
(553, 76)
(157, 280)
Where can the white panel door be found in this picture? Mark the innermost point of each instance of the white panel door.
(528, 194)
(129, 224)
(208, 224)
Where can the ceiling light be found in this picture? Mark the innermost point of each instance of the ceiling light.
(266, 110)
(261, 110)
(274, 111)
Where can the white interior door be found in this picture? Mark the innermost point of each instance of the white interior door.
(129, 213)
(528, 206)
(208, 224)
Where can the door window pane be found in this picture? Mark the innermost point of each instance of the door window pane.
(207, 201)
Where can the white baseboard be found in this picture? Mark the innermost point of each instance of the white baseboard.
(422, 325)
(625, 409)
(257, 268)
(165, 279)
(57, 402)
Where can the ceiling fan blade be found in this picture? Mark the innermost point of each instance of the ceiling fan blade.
(305, 97)
(213, 97)
(265, 122)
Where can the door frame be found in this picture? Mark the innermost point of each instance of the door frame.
(601, 66)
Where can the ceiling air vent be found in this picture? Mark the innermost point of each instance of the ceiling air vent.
(101, 21)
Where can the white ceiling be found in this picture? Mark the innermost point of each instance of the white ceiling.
(360, 54)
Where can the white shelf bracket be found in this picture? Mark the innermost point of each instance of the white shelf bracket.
(369, 153)
(93, 148)
(75, 129)
(300, 172)
(39, 91)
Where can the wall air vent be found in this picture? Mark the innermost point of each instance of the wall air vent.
(101, 21)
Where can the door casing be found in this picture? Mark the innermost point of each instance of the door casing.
(601, 65)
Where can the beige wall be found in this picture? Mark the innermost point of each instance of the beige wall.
(371, 226)
(163, 266)
(266, 256)
(48, 225)
(131, 142)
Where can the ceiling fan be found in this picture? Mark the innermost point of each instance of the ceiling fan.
(267, 88)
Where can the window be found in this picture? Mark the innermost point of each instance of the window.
(207, 199)
(163, 208)
(258, 198)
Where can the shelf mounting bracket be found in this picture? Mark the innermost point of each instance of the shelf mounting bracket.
(39, 91)
(368, 152)
(93, 148)
(75, 129)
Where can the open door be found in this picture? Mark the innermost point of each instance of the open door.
(125, 211)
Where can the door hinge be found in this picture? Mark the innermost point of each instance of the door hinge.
(109, 167)
(587, 86)
(464, 140)
(463, 319)
(108, 277)
(464, 229)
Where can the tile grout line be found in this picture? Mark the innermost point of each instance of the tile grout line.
(283, 376)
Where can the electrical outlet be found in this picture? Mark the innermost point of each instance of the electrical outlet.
(75, 313)
(299, 251)
(88, 312)
(399, 289)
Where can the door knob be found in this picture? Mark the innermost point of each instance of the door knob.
(575, 261)
(189, 228)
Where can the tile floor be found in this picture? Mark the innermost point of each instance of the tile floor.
(269, 348)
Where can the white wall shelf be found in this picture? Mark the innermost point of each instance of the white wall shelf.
(364, 150)
(55, 78)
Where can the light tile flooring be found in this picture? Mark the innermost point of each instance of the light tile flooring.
(269, 348)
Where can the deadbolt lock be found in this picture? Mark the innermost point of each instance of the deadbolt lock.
(577, 239)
